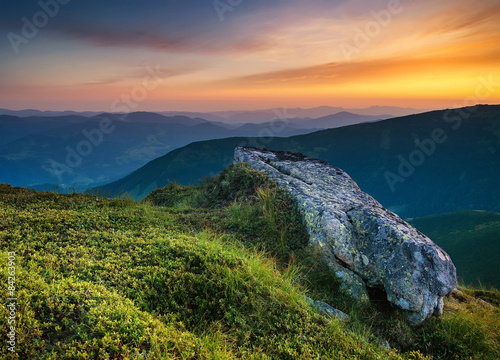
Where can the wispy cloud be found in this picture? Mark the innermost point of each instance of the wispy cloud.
(373, 69)
(470, 17)
(138, 74)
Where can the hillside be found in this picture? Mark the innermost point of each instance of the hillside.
(75, 151)
(216, 272)
(460, 173)
(472, 238)
(56, 150)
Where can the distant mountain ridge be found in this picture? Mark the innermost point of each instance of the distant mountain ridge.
(74, 151)
(258, 116)
(342, 118)
(242, 116)
(455, 160)
(46, 113)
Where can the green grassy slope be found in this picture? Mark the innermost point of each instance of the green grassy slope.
(117, 279)
(215, 272)
(472, 238)
(460, 174)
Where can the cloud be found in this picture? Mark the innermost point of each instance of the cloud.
(377, 70)
(101, 36)
(446, 40)
(163, 42)
(138, 74)
(175, 26)
(469, 16)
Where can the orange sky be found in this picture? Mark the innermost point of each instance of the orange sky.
(424, 54)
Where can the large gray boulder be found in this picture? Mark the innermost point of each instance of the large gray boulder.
(366, 244)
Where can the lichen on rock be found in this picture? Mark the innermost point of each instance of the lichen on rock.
(366, 244)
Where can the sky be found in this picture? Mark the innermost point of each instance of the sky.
(206, 55)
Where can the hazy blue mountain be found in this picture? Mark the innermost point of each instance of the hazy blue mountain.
(57, 151)
(207, 116)
(418, 165)
(339, 119)
(393, 110)
(472, 239)
(281, 129)
(241, 117)
(258, 116)
(13, 127)
(149, 117)
(72, 151)
(34, 150)
(33, 112)
(300, 126)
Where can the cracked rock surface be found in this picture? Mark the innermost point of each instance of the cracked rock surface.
(366, 244)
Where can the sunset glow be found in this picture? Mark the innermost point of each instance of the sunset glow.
(260, 54)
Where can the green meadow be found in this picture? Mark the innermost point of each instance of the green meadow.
(215, 271)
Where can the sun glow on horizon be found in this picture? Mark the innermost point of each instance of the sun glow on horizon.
(423, 53)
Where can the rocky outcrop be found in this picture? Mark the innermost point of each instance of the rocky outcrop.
(366, 244)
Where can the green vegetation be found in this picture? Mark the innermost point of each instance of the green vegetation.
(217, 271)
(472, 238)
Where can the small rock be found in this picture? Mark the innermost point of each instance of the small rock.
(384, 344)
(323, 307)
(458, 295)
